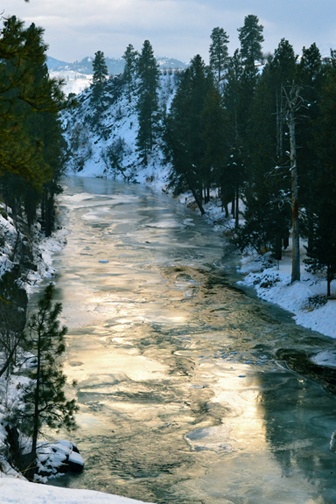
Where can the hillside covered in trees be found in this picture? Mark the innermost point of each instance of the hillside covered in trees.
(254, 130)
(32, 159)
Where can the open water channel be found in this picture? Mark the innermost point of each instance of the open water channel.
(190, 390)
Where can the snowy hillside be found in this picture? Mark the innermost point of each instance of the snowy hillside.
(115, 66)
(106, 145)
(73, 82)
(77, 76)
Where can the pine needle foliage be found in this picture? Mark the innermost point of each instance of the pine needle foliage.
(44, 398)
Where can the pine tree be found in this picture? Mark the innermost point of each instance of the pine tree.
(310, 76)
(130, 70)
(187, 132)
(268, 181)
(100, 75)
(237, 103)
(148, 107)
(321, 250)
(214, 136)
(29, 104)
(100, 70)
(19, 153)
(283, 68)
(219, 54)
(13, 306)
(232, 98)
(251, 38)
(44, 399)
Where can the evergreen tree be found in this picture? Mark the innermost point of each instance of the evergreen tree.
(44, 399)
(268, 180)
(283, 74)
(215, 147)
(100, 70)
(148, 107)
(310, 76)
(232, 98)
(251, 38)
(27, 97)
(13, 305)
(237, 112)
(321, 250)
(100, 75)
(19, 100)
(187, 133)
(130, 69)
(219, 54)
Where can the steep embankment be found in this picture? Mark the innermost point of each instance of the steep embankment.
(102, 137)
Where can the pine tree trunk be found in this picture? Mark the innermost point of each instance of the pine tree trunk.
(237, 208)
(295, 199)
(37, 396)
(329, 280)
(194, 193)
(279, 124)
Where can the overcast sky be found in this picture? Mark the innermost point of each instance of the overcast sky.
(176, 28)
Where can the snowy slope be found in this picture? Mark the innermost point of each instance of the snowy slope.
(73, 82)
(91, 140)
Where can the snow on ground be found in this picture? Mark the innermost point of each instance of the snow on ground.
(45, 250)
(305, 299)
(15, 490)
(74, 82)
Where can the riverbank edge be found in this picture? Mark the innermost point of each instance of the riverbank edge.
(270, 280)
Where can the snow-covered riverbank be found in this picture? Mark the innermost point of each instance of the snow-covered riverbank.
(14, 488)
(14, 491)
(306, 299)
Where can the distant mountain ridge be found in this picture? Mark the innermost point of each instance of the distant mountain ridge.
(115, 65)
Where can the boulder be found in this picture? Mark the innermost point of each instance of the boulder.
(59, 458)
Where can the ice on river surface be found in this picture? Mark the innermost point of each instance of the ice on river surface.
(182, 397)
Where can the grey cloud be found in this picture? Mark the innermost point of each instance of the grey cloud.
(179, 28)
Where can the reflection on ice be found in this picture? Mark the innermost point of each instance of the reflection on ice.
(180, 395)
(168, 224)
(210, 438)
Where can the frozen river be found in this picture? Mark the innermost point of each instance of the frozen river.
(188, 388)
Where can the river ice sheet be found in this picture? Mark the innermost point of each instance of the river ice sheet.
(183, 398)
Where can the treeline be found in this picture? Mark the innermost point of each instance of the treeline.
(262, 131)
(32, 146)
(31, 164)
(140, 82)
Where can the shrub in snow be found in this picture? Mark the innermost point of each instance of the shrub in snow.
(316, 302)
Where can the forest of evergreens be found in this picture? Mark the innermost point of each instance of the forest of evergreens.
(31, 165)
(32, 154)
(262, 129)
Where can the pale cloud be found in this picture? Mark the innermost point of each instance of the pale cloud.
(177, 28)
